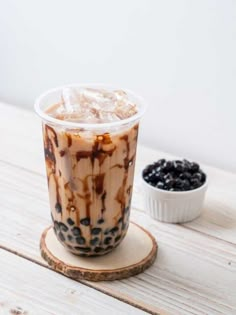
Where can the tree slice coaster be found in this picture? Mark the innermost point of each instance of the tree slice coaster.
(136, 253)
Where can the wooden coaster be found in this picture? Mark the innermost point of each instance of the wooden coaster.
(135, 254)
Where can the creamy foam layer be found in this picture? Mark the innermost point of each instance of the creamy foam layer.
(90, 105)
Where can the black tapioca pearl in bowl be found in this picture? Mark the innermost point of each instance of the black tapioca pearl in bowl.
(178, 167)
(94, 241)
(96, 231)
(195, 183)
(58, 207)
(175, 173)
(70, 221)
(180, 193)
(80, 240)
(85, 221)
(194, 167)
(63, 227)
(107, 240)
(76, 231)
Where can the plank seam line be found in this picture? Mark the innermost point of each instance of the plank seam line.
(113, 295)
(208, 235)
(184, 226)
(21, 168)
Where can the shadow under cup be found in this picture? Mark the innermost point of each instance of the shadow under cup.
(90, 170)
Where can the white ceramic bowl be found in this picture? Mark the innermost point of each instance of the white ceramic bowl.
(173, 206)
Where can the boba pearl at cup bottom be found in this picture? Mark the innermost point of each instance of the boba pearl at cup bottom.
(125, 261)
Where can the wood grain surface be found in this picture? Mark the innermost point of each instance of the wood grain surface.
(27, 288)
(195, 271)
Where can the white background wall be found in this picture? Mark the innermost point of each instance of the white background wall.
(179, 55)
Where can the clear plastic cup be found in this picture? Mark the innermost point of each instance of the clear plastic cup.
(90, 170)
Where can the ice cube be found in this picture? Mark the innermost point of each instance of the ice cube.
(94, 105)
(106, 116)
(121, 95)
(125, 109)
(70, 99)
(102, 98)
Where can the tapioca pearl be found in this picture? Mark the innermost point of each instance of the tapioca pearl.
(61, 237)
(100, 221)
(80, 240)
(58, 207)
(63, 227)
(107, 231)
(96, 231)
(70, 238)
(194, 167)
(83, 249)
(85, 221)
(107, 240)
(117, 238)
(94, 241)
(56, 226)
(76, 231)
(98, 249)
(203, 177)
(70, 221)
(114, 230)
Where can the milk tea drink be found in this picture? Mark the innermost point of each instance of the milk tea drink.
(90, 137)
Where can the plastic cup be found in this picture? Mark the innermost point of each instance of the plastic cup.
(90, 170)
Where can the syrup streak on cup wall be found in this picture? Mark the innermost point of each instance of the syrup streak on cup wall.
(90, 137)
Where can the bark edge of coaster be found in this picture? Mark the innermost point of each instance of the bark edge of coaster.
(118, 264)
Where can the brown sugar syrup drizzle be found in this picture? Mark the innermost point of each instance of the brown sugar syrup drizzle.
(98, 153)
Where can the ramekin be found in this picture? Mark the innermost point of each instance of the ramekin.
(173, 206)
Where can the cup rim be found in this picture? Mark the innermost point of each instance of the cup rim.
(175, 193)
(89, 126)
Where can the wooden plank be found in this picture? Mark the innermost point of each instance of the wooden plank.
(27, 288)
(21, 140)
(193, 274)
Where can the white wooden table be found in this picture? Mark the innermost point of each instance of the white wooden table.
(195, 271)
